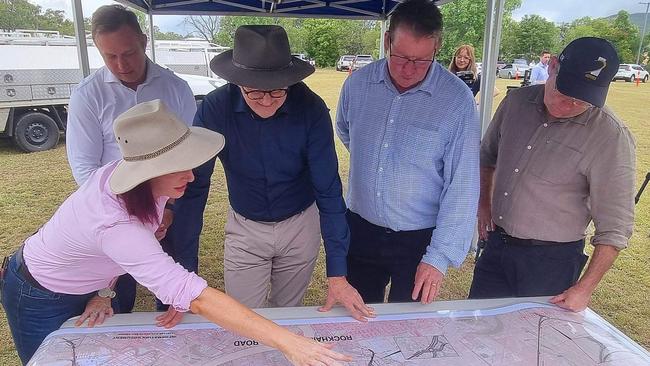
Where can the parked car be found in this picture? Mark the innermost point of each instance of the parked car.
(512, 71)
(344, 63)
(520, 61)
(629, 73)
(361, 61)
(304, 57)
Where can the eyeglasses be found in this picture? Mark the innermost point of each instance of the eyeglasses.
(463, 58)
(257, 94)
(402, 61)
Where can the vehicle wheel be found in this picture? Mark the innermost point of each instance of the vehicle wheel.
(630, 79)
(338, 68)
(36, 132)
(509, 75)
(645, 78)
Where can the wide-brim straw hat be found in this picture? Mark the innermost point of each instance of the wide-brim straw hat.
(261, 59)
(155, 142)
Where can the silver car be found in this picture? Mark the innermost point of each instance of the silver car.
(344, 63)
(513, 71)
(361, 61)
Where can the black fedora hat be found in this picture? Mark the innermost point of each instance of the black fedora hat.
(261, 59)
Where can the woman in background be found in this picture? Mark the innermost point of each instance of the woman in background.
(463, 65)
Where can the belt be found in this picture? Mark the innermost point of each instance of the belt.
(511, 240)
(24, 271)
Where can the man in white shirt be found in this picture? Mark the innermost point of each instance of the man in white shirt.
(128, 78)
(539, 73)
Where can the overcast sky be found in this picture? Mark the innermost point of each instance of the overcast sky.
(553, 10)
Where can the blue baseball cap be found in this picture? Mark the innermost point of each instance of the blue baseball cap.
(587, 67)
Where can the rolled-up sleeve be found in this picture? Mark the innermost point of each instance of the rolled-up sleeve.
(135, 249)
(611, 190)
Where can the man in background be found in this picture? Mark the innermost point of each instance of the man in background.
(539, 73)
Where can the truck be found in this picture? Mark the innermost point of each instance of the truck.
(39, 70)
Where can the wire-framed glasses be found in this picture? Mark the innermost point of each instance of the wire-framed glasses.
(403, 61)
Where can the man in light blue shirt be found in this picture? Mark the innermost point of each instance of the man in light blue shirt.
(413, 134)
(539, 73)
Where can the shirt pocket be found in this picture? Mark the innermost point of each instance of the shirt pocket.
(556, 163)
(420, 146)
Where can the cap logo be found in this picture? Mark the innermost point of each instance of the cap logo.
(593, 74)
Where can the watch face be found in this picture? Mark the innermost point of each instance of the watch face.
(106, 292)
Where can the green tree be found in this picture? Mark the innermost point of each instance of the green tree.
(530, 36)
(18, 14)
(322, 40)
(621, 32)
(464, 23)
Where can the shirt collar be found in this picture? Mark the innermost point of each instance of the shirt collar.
(537, 98)
(240, 106)
(153, 71)
(381, 74)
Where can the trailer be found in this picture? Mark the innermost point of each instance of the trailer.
(38, 72)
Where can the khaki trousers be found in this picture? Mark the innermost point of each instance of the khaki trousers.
(271, 264)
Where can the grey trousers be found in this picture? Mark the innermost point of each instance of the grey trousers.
(271, 264)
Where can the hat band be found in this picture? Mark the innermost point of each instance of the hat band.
(241, 66)
(158, 152)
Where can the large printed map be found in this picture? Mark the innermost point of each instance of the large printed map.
(523, 334)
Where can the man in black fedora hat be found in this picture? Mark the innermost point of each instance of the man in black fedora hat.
(282, 175)
(554, 159)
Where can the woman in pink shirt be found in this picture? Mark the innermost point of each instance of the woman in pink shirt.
(107, 228)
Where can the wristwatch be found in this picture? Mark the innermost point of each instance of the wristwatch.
(106, 293)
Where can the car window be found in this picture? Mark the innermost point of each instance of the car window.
(508, 66)
(348, 58)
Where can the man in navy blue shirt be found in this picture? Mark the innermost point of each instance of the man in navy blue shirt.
(282, 175)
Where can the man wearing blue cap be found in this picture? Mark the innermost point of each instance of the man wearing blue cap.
(554, 159)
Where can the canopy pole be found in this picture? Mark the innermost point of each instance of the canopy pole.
(80, 32)
(493, 20)
(151, 37)
(381, 38)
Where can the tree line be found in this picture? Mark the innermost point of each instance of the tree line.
(325, 40)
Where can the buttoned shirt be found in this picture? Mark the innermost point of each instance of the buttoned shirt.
(92, 239)
(413, 156)
(100, 98)
(553, 176)
(539, 74)
(275, 167)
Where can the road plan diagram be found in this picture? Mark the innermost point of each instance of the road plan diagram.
(521, 334)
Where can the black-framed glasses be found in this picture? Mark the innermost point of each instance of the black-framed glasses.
(403, 61)
(257, 94)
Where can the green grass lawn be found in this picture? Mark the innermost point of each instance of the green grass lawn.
(33, 186)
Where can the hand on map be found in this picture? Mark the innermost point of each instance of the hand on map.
(485, 223)
(427, 282)
(302, 351)
(169, 318)
(339, 290)
(574, 298)
(97, 310)
(168, 217)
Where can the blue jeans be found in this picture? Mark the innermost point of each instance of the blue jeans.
(33, 313)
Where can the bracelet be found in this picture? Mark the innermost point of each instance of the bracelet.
(169, 206)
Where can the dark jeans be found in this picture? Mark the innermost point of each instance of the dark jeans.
(378, 255)
(511, 267)
(33, 313)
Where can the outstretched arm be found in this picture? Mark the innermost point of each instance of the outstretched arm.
(212, 304)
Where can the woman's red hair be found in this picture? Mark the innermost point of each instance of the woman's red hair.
(140, 203)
